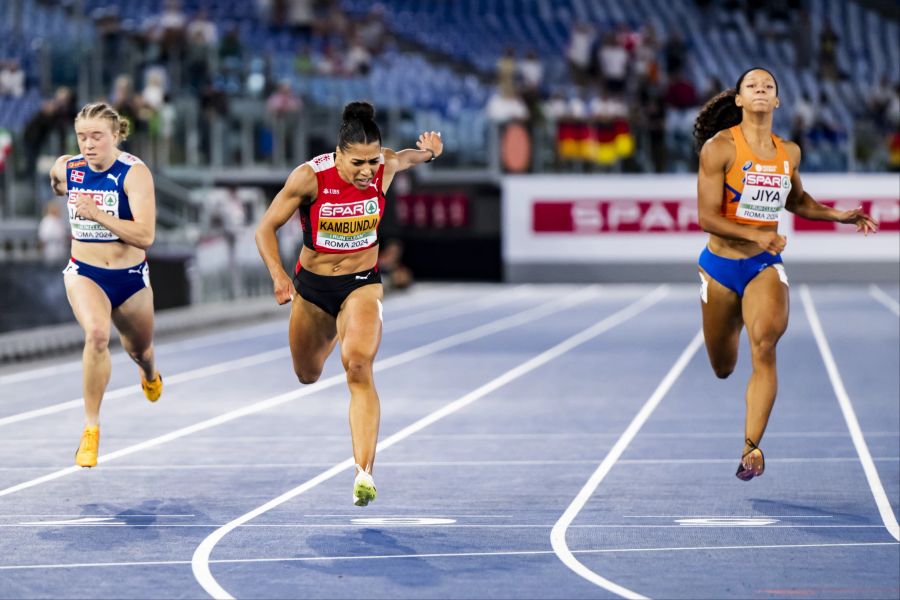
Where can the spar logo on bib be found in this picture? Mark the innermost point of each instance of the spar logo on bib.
(348, 226)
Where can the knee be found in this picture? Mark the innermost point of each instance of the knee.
(763, 349)
(358, 368)
(96, 338)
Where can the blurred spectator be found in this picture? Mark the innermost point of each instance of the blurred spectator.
(357, 59)
(803, 119)
(879, 99)
(828, 43)
(578, 52)
(172, 27)
(646, 63)
(681, 93)
(53, 235)
(36, 132)
(12, 79)
(231, 46)
(202, 30)
(506, 71)
(504, 106)
(531, 70)
(801, 34)
(394, 274)
(372, 31)
(284, 100)
(674, 51)
(613, 60)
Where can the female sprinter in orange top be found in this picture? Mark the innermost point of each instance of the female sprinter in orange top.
(340, 196)
(747, 175)
(112, 212)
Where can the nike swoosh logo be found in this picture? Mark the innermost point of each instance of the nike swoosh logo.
(366, 277)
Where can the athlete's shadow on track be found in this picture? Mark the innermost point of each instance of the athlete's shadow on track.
(831, 515)
(108, 525)
(410, 572)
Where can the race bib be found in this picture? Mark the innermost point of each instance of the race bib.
(348, 226)
(87, 230)
(763, 197)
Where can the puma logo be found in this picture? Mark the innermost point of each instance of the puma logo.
(115, 179)
(363, 278)
(136, 271)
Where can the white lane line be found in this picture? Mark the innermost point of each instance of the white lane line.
(859, 441)
(455, 463)
(214, 339)
(75, 523)
(263, 357)
(558, 534)
(727, 516)
(200, 560)
(226, 561)
(880, 295)
(520, 318)
(216, 369)
(48, 441)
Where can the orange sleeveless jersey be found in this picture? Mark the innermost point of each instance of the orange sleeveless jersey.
(756, 190)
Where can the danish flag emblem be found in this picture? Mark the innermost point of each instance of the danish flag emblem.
(77, 176)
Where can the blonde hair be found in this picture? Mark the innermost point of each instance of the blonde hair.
(102, 110)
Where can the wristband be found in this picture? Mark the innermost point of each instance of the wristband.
(433, 155)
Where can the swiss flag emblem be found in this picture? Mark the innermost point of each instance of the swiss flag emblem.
(77, 176)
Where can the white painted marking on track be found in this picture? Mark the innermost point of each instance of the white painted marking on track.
(200, 560)
(290, 559)
(859, 441)
(79, 521)
(882, 297)
(263, 357)
(243, 333)
(403, 521)
(727, 521)
(558, 534)
(496, 326)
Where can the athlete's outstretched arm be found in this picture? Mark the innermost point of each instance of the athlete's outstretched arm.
(141, 231)
(300, 184)
(430, 146)
(715, 157)
(801, 203)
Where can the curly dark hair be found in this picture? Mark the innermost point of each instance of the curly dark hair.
(721, 112)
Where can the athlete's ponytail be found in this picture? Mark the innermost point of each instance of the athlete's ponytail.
(358, 125)
(721, 112)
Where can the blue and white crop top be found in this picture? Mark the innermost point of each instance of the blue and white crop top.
(108, 190)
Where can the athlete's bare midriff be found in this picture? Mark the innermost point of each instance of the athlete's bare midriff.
(322, 263)
(107, 255)
(736, 248)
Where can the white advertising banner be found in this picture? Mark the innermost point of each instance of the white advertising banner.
(595, 219)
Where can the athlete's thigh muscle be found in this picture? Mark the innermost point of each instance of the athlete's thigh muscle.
(766, 305)
(312, 334)
(89, 303)
(134, 320)
(360, 322)
(722, 322)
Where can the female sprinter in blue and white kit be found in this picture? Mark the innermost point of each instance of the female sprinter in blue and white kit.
(112, 212)
(340, 196)
(747, 175)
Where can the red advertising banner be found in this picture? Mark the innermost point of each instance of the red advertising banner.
(614, 216)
